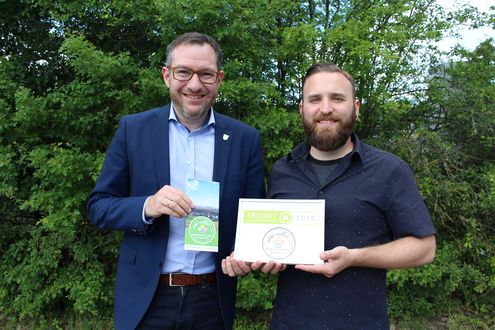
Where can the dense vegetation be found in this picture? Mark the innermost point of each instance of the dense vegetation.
(70, 69)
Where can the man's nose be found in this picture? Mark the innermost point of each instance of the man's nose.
(326, 107)
(194, 83)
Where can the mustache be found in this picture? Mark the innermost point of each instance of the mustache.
(321, 117)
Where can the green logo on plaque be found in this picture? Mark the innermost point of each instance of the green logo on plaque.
(285, 217)
(202, 230)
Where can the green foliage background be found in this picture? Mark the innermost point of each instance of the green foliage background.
(70, 69)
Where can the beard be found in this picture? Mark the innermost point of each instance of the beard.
(329, 138)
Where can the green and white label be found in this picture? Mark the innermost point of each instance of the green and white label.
(202, 230)
(267, 217)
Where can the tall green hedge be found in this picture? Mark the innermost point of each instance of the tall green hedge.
(70, 69)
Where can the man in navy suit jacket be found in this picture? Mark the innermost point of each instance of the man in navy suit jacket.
(141, 191)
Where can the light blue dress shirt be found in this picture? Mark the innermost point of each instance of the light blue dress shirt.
(191, 156)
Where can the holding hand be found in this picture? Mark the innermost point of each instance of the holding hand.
(169, 201)
(233, 267)
(271, 267)
(335, 261)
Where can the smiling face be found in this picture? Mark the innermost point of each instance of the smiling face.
(192, 99)
(329, 111)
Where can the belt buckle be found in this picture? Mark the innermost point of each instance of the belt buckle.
(170, 282)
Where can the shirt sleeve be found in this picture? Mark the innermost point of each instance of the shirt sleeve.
(149, 220)
(406, 211)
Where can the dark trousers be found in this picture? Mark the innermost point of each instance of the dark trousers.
(184, 307)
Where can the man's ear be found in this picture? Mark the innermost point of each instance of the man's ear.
(221, 75)
(166, 76)
(357, 104)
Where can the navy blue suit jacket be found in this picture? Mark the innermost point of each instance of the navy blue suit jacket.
(137, 166)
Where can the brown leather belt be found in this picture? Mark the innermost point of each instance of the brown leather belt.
(186, 279)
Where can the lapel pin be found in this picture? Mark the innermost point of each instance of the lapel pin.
(225, 137)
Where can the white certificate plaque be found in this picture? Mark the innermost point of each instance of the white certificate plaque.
(289, 231)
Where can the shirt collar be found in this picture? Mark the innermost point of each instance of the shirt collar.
(210, 121)
(357, 151)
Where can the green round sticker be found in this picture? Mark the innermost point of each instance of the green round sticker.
(202, 230)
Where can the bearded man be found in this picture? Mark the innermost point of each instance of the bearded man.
(375, 218)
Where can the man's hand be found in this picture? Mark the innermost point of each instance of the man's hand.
(335, 261)
(405, 252)
(271, 267)
(233, 267)
(170, 201)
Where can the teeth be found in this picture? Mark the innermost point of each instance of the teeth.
(194, 96)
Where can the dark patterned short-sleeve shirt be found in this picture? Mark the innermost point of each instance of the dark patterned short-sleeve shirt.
(371, 198)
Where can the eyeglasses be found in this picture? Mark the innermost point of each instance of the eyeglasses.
(184, 74)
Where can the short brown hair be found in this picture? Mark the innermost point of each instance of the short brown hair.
(328, 67)
(194, 38)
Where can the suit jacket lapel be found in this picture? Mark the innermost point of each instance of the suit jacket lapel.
(159, 135)
(223, 138)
